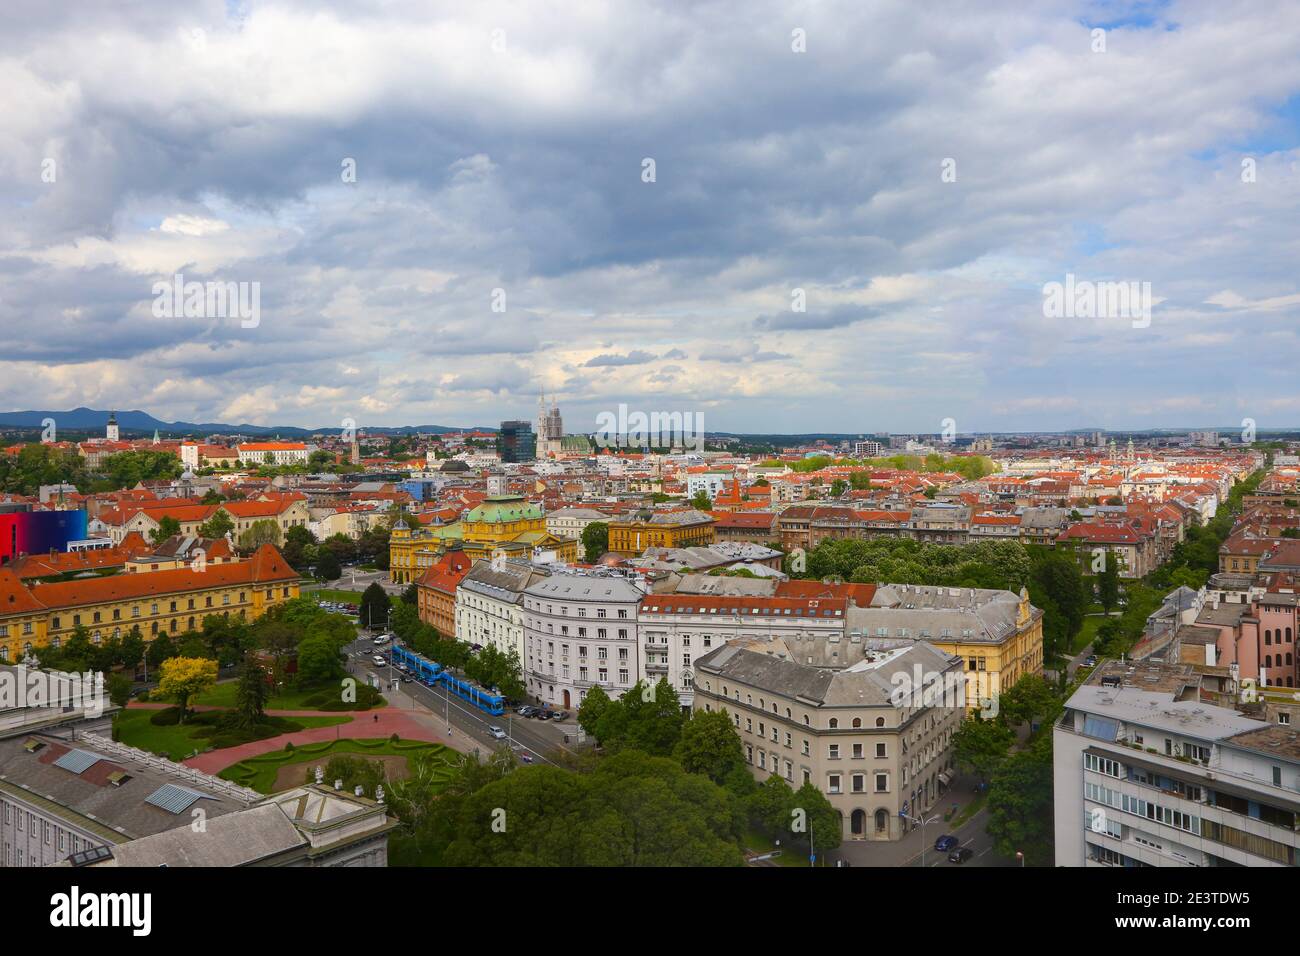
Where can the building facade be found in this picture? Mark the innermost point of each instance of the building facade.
(580, 631)
(868, 722)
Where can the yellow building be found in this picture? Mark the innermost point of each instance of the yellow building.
(160, 602)
(997, 634)
(661, 529)
(507, 523)
(993, 661)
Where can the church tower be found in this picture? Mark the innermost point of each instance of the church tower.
(111, 433)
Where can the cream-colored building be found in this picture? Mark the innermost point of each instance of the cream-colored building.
(869, 722)
(489, 604)
(571, 522)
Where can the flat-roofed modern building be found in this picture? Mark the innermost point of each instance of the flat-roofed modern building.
(868, 722)
(1148, 773)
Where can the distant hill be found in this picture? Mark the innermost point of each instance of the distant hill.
(91, 419)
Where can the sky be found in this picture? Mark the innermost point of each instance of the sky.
(782, 217)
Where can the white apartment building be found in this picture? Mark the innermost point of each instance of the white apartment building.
(489, 604)
(580, 631)
(710, 482)
(280, 452)
(678, 629)
(571, 522)
(1146, 773)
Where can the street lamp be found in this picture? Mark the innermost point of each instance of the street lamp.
(1021, 857)
(923, 821)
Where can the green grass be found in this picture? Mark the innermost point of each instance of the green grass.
(758, 842)
(968, 811)
(260, 772)
(334, 594)
(223, 695)
(1087, 634)
(177, 742)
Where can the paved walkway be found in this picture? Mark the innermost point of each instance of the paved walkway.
(409, 723)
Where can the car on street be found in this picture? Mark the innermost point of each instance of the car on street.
(381, 639)
(961, 854)
(945, 843)
(497, 732)
(525, 758)
(379, 661)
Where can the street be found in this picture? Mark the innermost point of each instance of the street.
(537, 739)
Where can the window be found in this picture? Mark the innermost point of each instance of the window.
(833, 752)
(882, 783)
(882, 750)
(833, 783)
(859, 783)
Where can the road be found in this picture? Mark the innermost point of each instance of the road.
(537, 739)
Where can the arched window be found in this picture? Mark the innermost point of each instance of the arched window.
(1268, 660)
(857, 722)
(880, 722)
(1268, 637)
(834, 725)
(882, 820)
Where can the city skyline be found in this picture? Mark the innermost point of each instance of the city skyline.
(806, 221)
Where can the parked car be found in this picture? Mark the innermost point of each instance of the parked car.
(560, 715)
(945, 843)
(542, 714)
(960, 855)
(525, 711)
(497, 732)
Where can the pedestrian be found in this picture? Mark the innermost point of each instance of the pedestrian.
(376, 718)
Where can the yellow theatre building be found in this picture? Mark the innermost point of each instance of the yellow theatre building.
(170, 601)
(502, 523)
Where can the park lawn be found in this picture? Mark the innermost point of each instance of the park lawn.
(223, 695)
(758, 842)
(178, 742)
(260, 772)
(336, 594)
(1087, 633)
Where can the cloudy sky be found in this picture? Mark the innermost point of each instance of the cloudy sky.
(912, 173)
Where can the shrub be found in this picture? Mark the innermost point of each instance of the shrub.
(166, 718)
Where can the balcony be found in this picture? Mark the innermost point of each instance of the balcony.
(661, 668)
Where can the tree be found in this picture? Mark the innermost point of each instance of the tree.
(595, 541)
(1108, 582)
(700, 501)
(251, 695)
(119, 689)
(327, 565)
(709, 745)
(168, 527)
(131, 652)
(183, 678)
(218, 526)
(318, 659)
(821, 820)
(374, 606)
(838, 487)
(980, 746)
(1030, 700)
(1020, 804)
(411, 595)
(592, 708)
(265, 531)
(159, 649)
